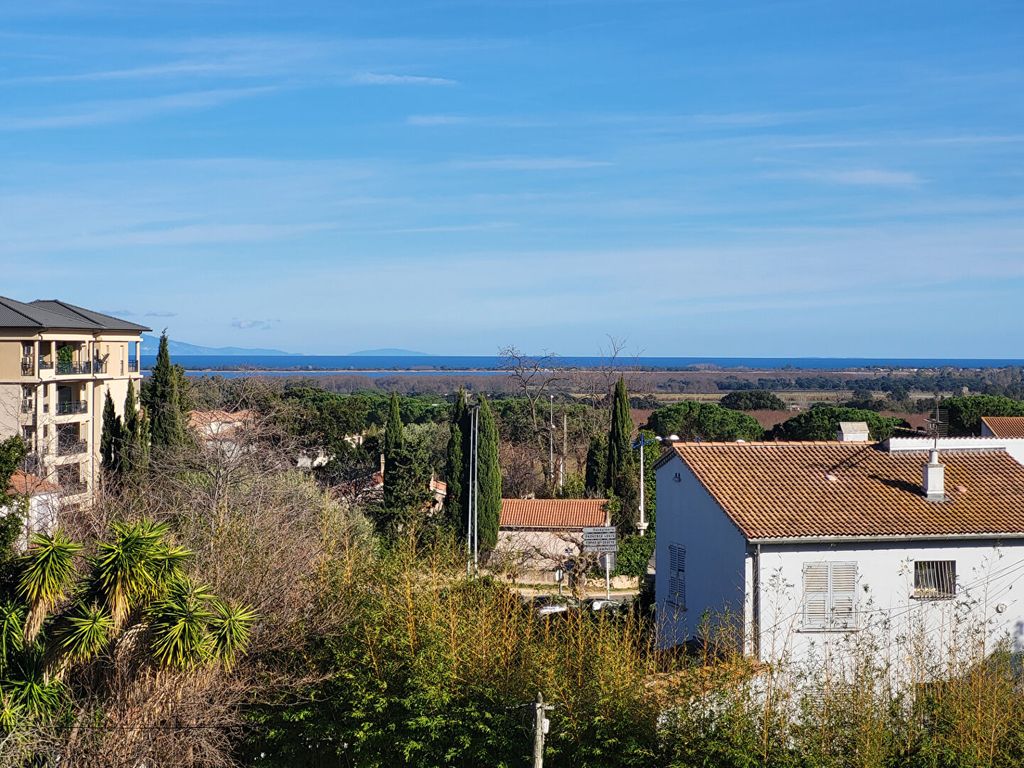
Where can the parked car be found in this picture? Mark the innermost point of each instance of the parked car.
(549, 605)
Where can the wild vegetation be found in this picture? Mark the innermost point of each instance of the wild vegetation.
(218, 606)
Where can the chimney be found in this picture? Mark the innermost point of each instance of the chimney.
(934, 476)
(853, 432)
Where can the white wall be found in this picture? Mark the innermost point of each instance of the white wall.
(989, 574)
(715, 552)
(1012, 445)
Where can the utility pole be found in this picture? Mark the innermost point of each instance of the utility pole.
(565, 448)
(540, 729)
(551, 440)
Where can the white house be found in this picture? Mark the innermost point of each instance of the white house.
(1012, 445)
(806, 546)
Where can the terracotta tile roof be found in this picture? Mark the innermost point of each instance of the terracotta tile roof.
(801, 490)
(24, 484)
(1005, 426)
(552, 513)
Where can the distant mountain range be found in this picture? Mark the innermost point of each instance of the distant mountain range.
(151, 344)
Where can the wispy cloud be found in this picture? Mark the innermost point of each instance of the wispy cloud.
(859, 177)
(255, 324)
(129, 110)
(381, 78)
(530, 164)
(161, 314)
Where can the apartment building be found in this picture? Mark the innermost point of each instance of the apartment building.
(57, 363)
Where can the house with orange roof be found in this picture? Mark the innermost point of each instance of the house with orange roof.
(538, 536)
(39, 500)
(803, 548)
(1002, 426)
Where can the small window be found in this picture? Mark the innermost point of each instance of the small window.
(935, 579)
(677, 576)
(830, 596)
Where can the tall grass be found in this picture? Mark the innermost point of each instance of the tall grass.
(434, 669)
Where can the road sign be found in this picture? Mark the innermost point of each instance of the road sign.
(600, 538)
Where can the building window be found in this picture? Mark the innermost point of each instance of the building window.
(935, 579)
(830, 596)
(677, 576)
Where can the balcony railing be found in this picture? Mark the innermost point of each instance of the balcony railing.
(28, 406)
(46, 365)
(72, 406)
(73, 369)
(99, 366)
(71, 447)
(28, 366)
(133, 366)
(32, 464)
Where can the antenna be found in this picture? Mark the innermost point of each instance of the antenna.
(938, 424)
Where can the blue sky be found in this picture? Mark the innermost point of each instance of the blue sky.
(700, 178)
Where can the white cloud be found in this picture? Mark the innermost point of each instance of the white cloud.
(379, 78)
(129, 110)
(530, 164)
(864, 177)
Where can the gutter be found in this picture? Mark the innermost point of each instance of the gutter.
(902, 537)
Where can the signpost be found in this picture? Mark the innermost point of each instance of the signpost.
(601, 539)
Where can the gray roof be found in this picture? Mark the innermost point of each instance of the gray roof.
(59, 315)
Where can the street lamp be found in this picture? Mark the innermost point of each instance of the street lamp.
(642, 441)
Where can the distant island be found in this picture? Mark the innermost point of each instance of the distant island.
(151, 344)
(387, 352)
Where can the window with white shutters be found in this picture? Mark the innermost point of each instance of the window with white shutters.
(830, 596)
(677, 576)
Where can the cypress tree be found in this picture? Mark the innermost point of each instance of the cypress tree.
(110, 442)
(619, 451)
(135, 437)
(395, 463)
(455, 465)
(488, 478)
(597, 465)
(164, 401)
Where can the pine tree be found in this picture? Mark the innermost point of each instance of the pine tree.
(164, 401)
(597, 466)
(393, 440)
(488, 478)
(455, 466)
(110, 442)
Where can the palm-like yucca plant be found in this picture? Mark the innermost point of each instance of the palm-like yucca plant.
(12, 628)
(47, 571)
(11, 712)
(38, 694)
(230, 628)
(134, 567)
(180, 625)
(84, 632)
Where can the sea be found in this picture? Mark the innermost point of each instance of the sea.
(233, 366)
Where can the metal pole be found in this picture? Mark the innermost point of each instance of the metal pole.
(565, 449)
(551, 440)
(607, 576)
(642, 525)
(538, 732)
(469, 502)
(476, 489)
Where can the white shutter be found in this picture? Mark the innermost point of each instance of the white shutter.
(844, 595)
(816, 597)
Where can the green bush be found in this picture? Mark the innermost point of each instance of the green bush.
(965, 412)
(822, 421)
(753, 400)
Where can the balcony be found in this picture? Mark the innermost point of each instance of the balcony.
(46, 365)
(74, 369)
(28, 366)
(133, 366)
(28, 406)
(32, 464)
(72, 406)
(70, 447)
